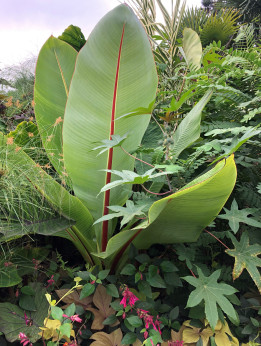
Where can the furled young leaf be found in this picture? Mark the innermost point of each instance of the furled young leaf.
(104, 339)
(192, 48)
(246, 257)
(213, 294)
(127, 212)
(235, 216)
(115, 141)
(102, 301)
(130, 177)
(74, 36)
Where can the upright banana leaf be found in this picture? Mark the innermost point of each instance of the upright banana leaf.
(182, 216)
(115, 74)
(54, 70)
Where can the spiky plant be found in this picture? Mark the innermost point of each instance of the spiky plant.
(146, 10)
(219, 27)
(194, 18)
(250, 9)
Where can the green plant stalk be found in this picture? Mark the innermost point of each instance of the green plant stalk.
(83, 246)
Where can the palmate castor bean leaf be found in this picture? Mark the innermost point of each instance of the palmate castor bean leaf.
(246, 257)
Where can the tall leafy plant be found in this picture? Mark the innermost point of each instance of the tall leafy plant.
(100, 95)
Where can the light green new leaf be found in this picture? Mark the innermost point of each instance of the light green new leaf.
(129, 177)
(182, 216)
(138, 111)
(115, 141)
(127, 212)
(235, 216)
(54, 70)
(246, 258)
(175, 105)
(188, 130)
(115, 74)
(192, 48)
(213, 294)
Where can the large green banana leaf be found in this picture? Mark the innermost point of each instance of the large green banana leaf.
(115, 74)
(81, 234)
(54, 70)
(182, 216)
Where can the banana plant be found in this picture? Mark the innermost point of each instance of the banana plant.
(105, 90)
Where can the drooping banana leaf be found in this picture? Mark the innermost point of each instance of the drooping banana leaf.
(54, 70)
(9, 231)
(182, 216)
(67, 205)
(115, 74)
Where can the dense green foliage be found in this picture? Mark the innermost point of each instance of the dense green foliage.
(207, 109)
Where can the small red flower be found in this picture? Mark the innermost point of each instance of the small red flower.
(8, 264)
(128, 298)
(24, 340)
(27, 320)
(74, 318)
(50, 281)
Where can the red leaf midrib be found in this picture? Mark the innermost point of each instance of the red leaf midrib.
(105, 224)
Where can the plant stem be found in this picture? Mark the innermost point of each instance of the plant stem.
(217, 239)
(155, 193)
(156, 121)
(146, 163)
(192, 273)
(135, 158)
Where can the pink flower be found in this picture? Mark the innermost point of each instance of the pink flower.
(7, 264)
(27, 320)
(128, 298)
(50, 281)
(24, 340)
(175, 343)
(74, 318)
(148, 320)
(36, 263)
